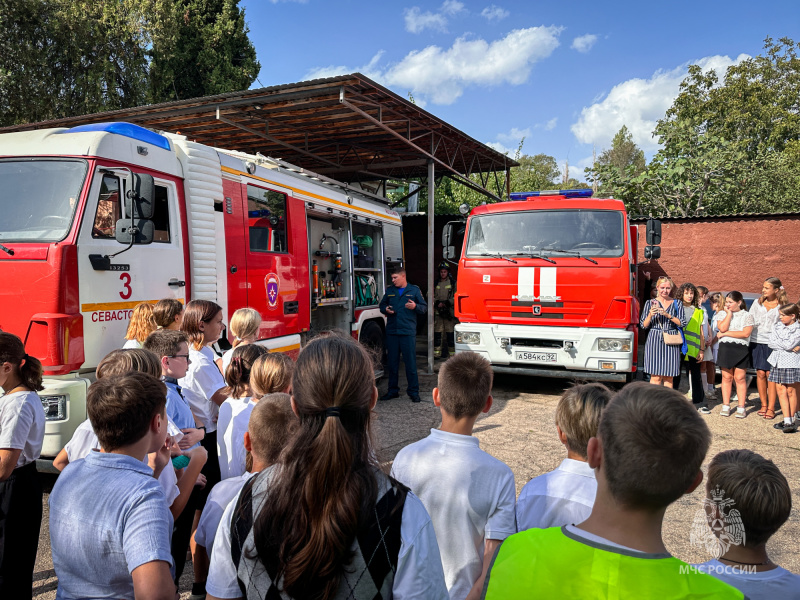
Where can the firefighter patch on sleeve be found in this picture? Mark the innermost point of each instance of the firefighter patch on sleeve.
(273, 288)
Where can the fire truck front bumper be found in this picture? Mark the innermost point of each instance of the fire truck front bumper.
(567, 352)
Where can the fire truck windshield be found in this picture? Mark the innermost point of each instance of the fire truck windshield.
(557, 233)
(38, 198)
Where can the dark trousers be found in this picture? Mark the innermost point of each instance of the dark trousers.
(405, 345)
(182, 532)
(696, 376)
(210, 469)
(20, 521)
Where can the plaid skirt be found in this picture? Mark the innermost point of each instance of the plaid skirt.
(784, 376)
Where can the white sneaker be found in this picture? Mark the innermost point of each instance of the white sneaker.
(741, 413)
(725, 411)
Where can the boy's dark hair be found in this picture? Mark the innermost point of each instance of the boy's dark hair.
(126, 360)
(165, 342)
(121, 407)
(653, 445)
(578, 414)
(272, 423)
(465, 383)
(165, 311)
(399, 271)
(760, 492)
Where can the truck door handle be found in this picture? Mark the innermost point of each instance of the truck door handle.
(291, 308)
(175, 282)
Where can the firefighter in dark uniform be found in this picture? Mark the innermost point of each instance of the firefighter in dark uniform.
(444, 318)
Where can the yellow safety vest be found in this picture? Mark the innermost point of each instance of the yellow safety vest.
(551, 563)
(693, 332)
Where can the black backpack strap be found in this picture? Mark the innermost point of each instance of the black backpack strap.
(241, 524)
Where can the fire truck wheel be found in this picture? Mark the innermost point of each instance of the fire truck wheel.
(372, 339)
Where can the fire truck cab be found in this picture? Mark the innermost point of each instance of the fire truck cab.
(546, 285)
(99, 218)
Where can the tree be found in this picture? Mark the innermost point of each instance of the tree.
(209, 52)
(60, 58)
(624, 154)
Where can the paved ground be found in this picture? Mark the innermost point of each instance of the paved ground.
(520, 431)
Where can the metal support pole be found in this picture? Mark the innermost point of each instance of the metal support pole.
(431, 189)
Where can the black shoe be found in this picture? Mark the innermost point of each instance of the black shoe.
(388, 396)
(415, 398)
(790, 428)
(780, 425)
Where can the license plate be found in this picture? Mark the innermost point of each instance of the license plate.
(536, 356)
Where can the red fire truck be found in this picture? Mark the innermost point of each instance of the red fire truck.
(99, 218)
(546, 285)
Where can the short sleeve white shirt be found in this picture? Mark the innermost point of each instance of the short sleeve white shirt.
(226, 360)
(763, 585)
(22, 423)
(129, 344)
(419, 573)
(234, 417)
(221, 495)
(469, 495)
(202, 381)
(764, 321)
(739, 320)
(564, 496)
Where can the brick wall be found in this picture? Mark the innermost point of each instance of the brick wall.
(728, 253)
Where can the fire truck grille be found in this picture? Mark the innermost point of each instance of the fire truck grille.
(536, 343)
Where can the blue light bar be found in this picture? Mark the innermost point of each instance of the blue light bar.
(579, 193)
(125, 129)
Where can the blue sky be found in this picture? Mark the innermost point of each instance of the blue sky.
(564, 75)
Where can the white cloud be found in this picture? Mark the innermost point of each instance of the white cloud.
(370, 69)
(442, 74)
(584, 43)
(452, 7)
(494, 13)
(502, 149)
(417, 21)
(638, 104)
(507, 143)
(551, 124)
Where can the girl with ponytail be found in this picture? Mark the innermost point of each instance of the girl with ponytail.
(766, 315)
(325, 522)
(234, 414)
(22, 423)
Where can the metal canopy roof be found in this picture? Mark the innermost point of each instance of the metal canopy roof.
(347, 127)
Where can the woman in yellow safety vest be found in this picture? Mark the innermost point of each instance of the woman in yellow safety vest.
(694, 332)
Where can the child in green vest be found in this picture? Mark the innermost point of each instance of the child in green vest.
(647, 454)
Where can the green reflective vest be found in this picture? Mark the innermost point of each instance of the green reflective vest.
(551, 563)
(694, 334)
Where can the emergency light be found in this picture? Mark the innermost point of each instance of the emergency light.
(125, 129)
(579, 193)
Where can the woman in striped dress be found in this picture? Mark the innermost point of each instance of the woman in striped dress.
(661, 314)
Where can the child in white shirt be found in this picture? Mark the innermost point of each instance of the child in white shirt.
(468, 493)
(566, 496)
(761, 496)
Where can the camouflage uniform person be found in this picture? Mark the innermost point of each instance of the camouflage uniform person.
(444, 319)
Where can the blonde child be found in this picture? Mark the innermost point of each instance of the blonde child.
(168, 313)
(734, 353)
(785, 363)
(141, 325)
(271, 373)
(245, 323)
(203, 386)
(271, 425)
(235, 411)
(22, 424)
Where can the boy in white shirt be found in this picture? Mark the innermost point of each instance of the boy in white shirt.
(763, 499)
(468, 493)
(271, 424)
(565, 496)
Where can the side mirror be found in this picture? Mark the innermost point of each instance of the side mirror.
(652, 252)
(447, 234)
(449, 252)
(653, 232)
(135, 231)
(140, 200)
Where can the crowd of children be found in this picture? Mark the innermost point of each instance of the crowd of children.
(764, 338)
(281, 496)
